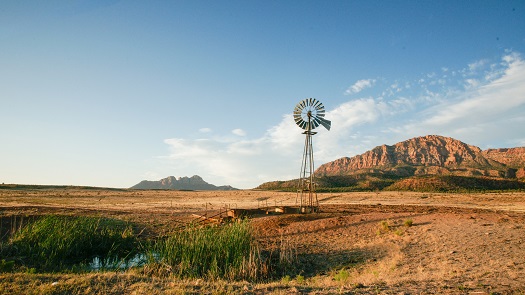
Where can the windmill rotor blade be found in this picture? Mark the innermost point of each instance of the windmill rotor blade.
(306, 102)
(301, 105)
(297, 110)
(316, 123)
(317, 104)
(326, 123)
(300, 123)
(304, 125)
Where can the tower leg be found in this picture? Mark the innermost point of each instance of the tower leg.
(306, 188)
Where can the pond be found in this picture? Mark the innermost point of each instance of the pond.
(115, 263)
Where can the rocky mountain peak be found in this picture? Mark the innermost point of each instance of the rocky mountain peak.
(181, 183)
(426, 163)
(428, 151)
(512, 157)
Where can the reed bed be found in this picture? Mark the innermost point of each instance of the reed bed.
(56, 242)
(78, 243)
(228, 252)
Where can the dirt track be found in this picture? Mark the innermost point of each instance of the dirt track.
(445, 250)
(457, 244)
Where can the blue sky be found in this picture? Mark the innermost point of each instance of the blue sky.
(108, 93)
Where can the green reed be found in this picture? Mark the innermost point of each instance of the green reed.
(71, 243)
(227, 251)
(55, 242)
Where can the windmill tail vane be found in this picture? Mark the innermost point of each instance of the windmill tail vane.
(308, 114)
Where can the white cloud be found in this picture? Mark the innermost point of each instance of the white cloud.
(284, 135)
(477, 65)
(510, 58)
(205, 130)
(487, 113)
(359, 86)
(276, 155)
(244, 163)
(239, 132)
(483, 111)
(182, 149)
(346, 118)
(470, 83)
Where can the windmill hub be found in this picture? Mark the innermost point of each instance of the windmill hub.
(308, 115)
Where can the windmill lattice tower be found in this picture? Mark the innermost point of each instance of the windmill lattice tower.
(309, 114)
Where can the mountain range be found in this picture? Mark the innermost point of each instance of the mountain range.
(181, 183)
(429, 162)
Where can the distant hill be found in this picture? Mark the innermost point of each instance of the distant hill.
(182, 183)
(15, 186)
(429, 162)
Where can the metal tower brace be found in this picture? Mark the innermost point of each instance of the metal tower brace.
(307, 191)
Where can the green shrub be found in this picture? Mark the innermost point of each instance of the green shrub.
(342, 275)
(6, 266)
(300, 279)
(399, 232)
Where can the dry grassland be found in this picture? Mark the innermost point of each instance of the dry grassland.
(361, 243)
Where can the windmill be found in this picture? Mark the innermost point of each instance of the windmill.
(308, 115)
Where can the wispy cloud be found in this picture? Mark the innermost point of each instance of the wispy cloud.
(488, 113)
(359, 86)
(484, 112)
(244, 163)
(239, 132)
(476, 65)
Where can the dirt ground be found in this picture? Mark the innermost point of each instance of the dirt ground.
(360, 243)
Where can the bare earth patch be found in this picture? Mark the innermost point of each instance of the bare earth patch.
(361, 243)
